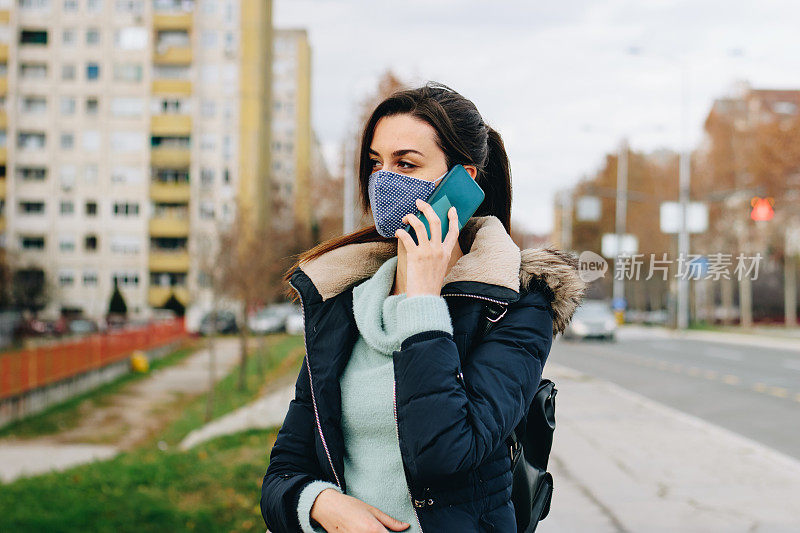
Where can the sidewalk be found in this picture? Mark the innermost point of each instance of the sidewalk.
(624, 463)
(127, 419)
(779, 338)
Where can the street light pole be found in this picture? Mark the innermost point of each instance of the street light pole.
(684, 182)
(620, 214)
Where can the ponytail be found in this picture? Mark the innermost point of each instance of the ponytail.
(496, 181)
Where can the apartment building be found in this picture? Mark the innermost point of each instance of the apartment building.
(130, 130)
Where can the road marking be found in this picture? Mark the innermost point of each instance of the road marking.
(710, 374)
(693, 371)
(760, 387)
(791, 364)
(780, 392)
(730, 379)
(722, 353)
(797, 397)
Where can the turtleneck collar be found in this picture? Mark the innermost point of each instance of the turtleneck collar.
(375, 310)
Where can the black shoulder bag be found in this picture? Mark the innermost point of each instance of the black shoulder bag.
(530, 441)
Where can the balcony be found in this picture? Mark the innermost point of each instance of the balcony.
(2, 223)
(2, 188)
(167, 86)
(3, 85)
(172, 20)
(5, 16)
(170, 192)
(3, 53)
(169, 226)
(170, 157)
(171, 261)
(157, 296)
(3, 120)
(3, 155)
(173, 55)
(171, 125)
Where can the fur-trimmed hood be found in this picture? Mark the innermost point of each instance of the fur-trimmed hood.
(493, 259)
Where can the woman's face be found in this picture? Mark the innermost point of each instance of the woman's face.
(407, 145)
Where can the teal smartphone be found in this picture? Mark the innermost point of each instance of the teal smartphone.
(457, 189)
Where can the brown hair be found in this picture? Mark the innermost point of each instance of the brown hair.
(464, 138)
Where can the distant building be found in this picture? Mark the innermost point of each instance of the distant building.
(128, 130)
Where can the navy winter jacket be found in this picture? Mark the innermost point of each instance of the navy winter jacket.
(455, 403)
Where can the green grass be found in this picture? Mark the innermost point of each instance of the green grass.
(213, 487)
(66, 415)
(283, 353)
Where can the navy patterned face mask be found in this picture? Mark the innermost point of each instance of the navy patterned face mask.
(392, 196)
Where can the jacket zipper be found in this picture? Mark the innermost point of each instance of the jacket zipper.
(501, 302)
(397, 427)
(311, 386)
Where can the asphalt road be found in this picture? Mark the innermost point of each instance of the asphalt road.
(753, 391)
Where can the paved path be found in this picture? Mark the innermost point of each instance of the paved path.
(129, 417)
(623, 463)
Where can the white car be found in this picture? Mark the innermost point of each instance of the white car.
(295, 324)
(271, 319)
(593, 318)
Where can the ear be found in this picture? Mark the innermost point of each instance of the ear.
(472, 170)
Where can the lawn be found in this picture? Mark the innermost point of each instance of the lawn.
(213, 487)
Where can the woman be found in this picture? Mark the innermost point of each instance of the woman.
(399, 422)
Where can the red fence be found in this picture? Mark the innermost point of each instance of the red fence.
(24, 370)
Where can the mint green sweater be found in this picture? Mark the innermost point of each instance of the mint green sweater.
(373, 467)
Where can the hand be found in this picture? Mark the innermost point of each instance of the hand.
(343, 513)
(427, 262)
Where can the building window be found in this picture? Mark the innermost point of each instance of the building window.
(94, 6)
(31, 207)
(33, 71)
(68, 105)
(91, 208)
(92, 105)
(90, 174)
(32, 242)
(68, 175)
(32, 173)
(68, 71)
(67, 141)
(92, 71)
(92, 36)
(70, 6)
(207, 210)
(227, 176)
(90, 243)
(89, 278)
(126, 209)
(66, 243)
(206, 177)
(67, 207)
(69, 37)
(38, 37)
(126, 279)
(91, 140)
(66, 278)
(30, 140)
(130, 72)
(34, 105)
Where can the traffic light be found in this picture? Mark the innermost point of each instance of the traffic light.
(762, 208)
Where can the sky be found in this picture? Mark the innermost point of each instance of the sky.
(562, 82)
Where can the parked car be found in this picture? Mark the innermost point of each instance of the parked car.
(295, 323)
(593, 319)
(82, 326)
(271, 319)
(226, 323)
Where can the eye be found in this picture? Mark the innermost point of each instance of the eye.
(373, 162)
(406, 163)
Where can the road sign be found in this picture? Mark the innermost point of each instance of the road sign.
(696, 217)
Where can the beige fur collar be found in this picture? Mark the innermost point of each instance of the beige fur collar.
(493, 258)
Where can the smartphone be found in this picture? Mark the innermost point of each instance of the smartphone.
(457, 189)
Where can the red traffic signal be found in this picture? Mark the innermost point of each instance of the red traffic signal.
(762, 208)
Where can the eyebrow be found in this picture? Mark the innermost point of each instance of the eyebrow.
(400, 153)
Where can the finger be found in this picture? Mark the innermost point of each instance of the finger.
(451, 238)
(419, 228)
(388, 521)
(404, 236)
(434, 221)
